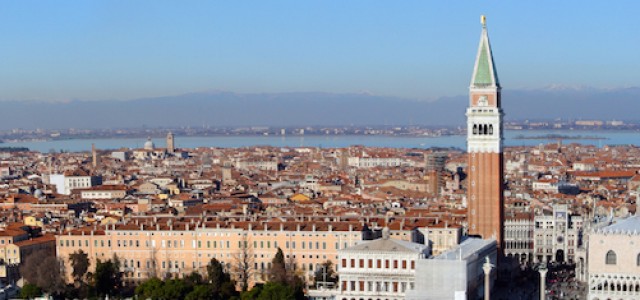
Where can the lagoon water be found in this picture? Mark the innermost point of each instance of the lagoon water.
(328, 141)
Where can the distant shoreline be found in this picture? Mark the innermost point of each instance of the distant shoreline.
(557, 136)
(154, 136)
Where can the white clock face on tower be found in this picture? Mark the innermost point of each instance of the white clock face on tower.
(483, 101)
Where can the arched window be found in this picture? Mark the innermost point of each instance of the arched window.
(611, 258)
(638, 260)
(475, 128)
(485, 130)
(490, 129)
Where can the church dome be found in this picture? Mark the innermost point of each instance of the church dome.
(148, 145)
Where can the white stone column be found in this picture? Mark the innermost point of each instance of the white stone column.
(543, 279)
(487, 266)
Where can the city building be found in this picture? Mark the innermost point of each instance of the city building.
(166, 247)
(455, 274)
(614, 261)
(556, 235)
(380, 269)
(518, 236)
(79, 179)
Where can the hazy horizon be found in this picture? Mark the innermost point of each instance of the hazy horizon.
(228, 109)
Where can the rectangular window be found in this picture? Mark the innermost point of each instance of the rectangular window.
(353, 263)
(386, 264)
(379, 264)
(404, 264)
(395, 264)
(413, 265)
(361, 263)
(344, 262)
(370, 263)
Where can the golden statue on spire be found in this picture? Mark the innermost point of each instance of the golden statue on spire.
(483, 21)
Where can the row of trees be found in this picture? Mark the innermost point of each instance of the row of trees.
(284, 281)
(218, 285)
(44, 273)
(283, 284)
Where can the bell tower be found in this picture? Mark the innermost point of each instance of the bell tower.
(485, 187)
(171, 148)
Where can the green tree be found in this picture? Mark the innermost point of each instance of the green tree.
(80, 265)
(174, 289)
(216, 274)
(277, 291)
(194, 279)
(278, 271)
(201, 292)
(228, 290)
(150, 289)
(253, 293)
(30, 291)
(107, 277)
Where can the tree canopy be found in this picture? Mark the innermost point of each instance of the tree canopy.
(43, 271)
(219, 286)
(79, 264)
(107, 277)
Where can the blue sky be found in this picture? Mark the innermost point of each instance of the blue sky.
(92, 50)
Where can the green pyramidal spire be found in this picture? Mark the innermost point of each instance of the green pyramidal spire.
(484, 72)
